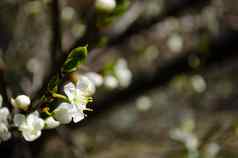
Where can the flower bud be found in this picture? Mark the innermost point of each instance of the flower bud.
(21, 102)
(105, 5)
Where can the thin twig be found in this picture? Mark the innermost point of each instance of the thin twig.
(3, 89)
(56, 41)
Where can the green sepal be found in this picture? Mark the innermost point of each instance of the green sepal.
(53, 84)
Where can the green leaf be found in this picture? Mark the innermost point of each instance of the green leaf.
(76, 57)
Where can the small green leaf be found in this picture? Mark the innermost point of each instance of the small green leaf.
(76, 57)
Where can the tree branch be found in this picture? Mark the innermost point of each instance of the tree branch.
(3, 89)
(221, 48)
(138, 26)
(56, 46)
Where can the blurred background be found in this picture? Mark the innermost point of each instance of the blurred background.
(180, 99)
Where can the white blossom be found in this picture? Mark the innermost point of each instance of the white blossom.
(50, 123)
(30, 126)
(67, 112)
(106, 5)
(21, 102)
(79, 94)
(95, 78)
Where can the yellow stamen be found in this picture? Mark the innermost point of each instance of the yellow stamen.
(88, 109)
(46, 110)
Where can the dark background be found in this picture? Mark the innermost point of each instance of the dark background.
(183, 55)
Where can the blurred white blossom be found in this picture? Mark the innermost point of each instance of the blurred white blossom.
(198, 83)
(212, 150)
(120, 76)
(68, 13)
(111, 82)
(95, 78)
(105, 5)
(175, 43)
(189, 139)
(122, 73)
(143, 103)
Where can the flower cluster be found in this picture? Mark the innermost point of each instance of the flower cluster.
(76, 96)
(68, 105)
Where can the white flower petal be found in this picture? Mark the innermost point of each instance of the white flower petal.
(63, 113)
(19, 119)
(78, 117)
(4, 113)
(70, 90)
(31, 135)
(4, 132)
(80, 99)
(51, 123)
(35, 121)
(85, 86)
(38, 124)
(78, 113)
